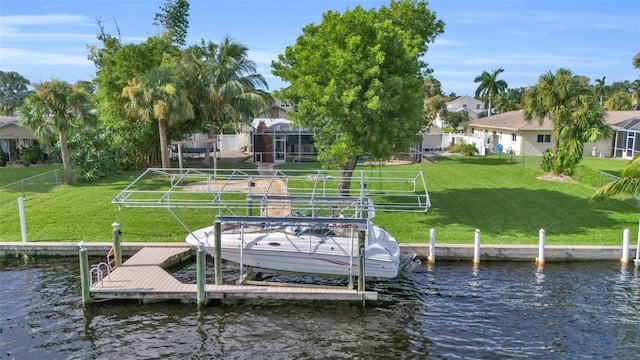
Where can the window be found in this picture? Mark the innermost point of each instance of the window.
(464, 106)
(542, 138)
(477, 106)
(514, 137)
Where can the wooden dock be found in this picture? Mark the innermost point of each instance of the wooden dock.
(143, 277)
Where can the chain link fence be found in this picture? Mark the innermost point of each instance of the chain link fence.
(29, 187)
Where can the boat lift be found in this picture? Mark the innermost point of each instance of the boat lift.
(234, 194)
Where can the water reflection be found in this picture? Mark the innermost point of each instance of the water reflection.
(447, 310)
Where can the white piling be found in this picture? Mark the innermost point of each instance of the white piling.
(432, 247)
(540, 258)
(625, 247)
(476, 248)
(636, 261)
(23, 221)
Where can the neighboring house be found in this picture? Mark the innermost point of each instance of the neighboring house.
(278, 110)
(473, 107)
(277, 140)
(517, 136)
(13, 137)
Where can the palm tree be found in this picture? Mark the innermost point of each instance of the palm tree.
(635, 88)
(599, 88)
(13, 91)
(576, 116)
(158, 95)
(489, 87)
(223, 84)
(56, 107)
(636, 61)
(628, 184)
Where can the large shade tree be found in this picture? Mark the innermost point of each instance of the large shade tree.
(490, 87)
(13, 90)
(577, 117)
(223, 84)
(57, 108)
(357, 81)
(159, 96)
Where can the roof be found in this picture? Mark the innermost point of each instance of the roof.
(8, 120)
(515, 121)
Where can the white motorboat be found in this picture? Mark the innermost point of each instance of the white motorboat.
(308, 248)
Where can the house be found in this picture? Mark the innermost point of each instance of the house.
(278, 110)
(277, 140)
(511, 132)
(473, 107)
(13, 137)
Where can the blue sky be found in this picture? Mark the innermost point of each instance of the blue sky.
(45, 39)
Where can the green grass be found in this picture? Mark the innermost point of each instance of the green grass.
(504, 200)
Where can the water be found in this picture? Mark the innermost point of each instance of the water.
(450, 311)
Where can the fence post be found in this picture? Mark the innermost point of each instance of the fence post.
(23, 221)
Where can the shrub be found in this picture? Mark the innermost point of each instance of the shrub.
(465, 149)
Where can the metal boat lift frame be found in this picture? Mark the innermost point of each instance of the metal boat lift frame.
(233, 192)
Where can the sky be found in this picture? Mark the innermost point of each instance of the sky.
(47, 39)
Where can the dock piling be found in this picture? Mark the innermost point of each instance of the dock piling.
(541, 238)
(432, 247)
(117, 245)
(85, 281)
(23, 221)
(218, 252)
(625, 247)
(476, 248)
(201, 297)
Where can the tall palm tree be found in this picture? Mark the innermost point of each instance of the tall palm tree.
(490, 86)
(223, 84)
(158, 95)
(56, 108)
(628, 184)
(599, 88)
(635, 88)
(576, 116)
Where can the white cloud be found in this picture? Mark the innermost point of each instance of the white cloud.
(20, 58)
(49, 19)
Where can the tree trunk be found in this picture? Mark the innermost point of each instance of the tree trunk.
(345, 176)
(66, 159)
(164, 149)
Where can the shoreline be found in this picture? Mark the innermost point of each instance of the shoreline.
(453, 252)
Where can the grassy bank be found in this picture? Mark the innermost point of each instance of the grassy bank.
(505, 201)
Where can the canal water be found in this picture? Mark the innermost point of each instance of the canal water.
(499, 310)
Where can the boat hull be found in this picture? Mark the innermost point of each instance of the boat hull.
(282, 251)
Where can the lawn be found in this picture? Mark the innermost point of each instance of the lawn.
(504, 200)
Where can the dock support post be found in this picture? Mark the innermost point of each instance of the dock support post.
(23, 221)
(476, 248)
(217, 257)
(540, 258)
(249, 205)
(85, 281)
(200, 276)
(431, 259)
(361, 261)
(117, 246)
(625, 247)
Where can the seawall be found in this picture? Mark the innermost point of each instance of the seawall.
(460, 252)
